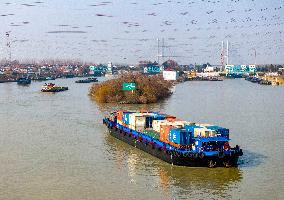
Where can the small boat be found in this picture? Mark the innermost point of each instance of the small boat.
(255, 80)
(49, 78)
(51, 87)
(93, 79)
(69, 76)
(89, 80)
(24, 81)
(215, 78)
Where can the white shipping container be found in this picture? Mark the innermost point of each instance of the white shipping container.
(132, 118)
(199, 132)
(179, 123)
(140, 121)
(157, 124)
(204, 132)
(137, 120)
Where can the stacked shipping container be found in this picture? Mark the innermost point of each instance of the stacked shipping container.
(167, 128)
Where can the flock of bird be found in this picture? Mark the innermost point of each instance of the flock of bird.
(127, 31)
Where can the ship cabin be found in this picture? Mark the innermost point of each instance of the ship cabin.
(211, 146)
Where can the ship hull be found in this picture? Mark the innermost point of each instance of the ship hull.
(172, 157)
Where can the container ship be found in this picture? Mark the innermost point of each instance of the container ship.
(172, 140)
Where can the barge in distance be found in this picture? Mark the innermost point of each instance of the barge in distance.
(175, 141)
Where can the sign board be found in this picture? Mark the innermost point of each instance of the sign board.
(128, 86)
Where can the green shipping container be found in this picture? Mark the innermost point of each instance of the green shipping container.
(152, 134)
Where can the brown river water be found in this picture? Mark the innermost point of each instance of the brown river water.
(54, 146)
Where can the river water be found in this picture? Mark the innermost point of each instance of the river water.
(54, 146)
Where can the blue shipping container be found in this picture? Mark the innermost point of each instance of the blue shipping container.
(125, 118)
(158, 116)
(179, 136)
(190, 128)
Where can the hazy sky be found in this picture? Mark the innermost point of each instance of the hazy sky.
(126, 31)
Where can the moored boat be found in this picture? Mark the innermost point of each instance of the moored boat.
(89, 80)
(174, 141)
(24, 81)
(50, 87)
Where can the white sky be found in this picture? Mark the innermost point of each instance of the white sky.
(128, 30)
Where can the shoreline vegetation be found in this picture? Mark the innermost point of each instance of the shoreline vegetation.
(149, 89)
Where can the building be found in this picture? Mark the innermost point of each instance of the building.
(170, 75)
(109, 68)
(152, 69)
(209, 69)
(240, 69)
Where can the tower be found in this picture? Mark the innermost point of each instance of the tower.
(227, 52)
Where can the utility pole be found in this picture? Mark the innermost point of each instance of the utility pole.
(158, 55)
(227, 52)
(254, 56)
(222, 54)
(8, 44)
(163, 47)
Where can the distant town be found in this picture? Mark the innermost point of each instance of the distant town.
(48, 70)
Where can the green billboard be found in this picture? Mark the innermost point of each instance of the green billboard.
(128, 86)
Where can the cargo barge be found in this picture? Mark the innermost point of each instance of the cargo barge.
(175, 141)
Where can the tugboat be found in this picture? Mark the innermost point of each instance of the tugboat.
(174, 141)
(89, 80)
(24, 81)
(51, 87)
